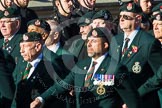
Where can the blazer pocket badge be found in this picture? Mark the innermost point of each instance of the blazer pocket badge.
(136, 68)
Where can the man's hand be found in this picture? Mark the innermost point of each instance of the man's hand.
(124, 106)
(36, 103)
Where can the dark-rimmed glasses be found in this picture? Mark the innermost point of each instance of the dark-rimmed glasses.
(126, 17)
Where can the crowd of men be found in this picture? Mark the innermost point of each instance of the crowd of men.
(81, 57)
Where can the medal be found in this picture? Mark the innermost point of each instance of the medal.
(136, 68)
(101, 90)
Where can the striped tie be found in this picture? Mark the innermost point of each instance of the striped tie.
(5, 43)
(89, 74)
(125, 46)
(27, 70)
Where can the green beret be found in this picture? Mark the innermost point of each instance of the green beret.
(131, 7)
(40, 23)
(86, 19)
(31, 36)
(103, 14)
(99, 32)
(158, 16)
(10, 13)
(157, 8)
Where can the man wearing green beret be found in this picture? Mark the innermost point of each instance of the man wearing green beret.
(39, 26)
(35, 73)
(94, 85)
(103, 18)
(78, 47)
(9, 26)
(139, 51)
(155, 82)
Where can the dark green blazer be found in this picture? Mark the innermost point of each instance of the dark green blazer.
(11, 56)
(6, 82)
(90, 99)
(142, 63)
(79, 49)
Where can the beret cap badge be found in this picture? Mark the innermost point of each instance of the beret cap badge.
(158, 17)
(106, 16)
(160, 8)
(94, 33)
(129, 6)
(37, 23)
(87, 21)
(6, 13)
(25, 37)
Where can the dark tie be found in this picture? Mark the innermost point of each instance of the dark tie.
(5, 43)
(125, 46)
(27, 70)
(89, 74)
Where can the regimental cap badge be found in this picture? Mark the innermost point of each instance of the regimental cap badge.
(129, 6)
(160, 8)
(106, 16)
(158, 17)
(37, 23)
(25, 37)
(87, 21)
(6, 13)
(94, 33)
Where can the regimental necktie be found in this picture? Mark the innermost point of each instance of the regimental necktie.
(27, 70)
(5, 43)
(89, 74)
(125, 46)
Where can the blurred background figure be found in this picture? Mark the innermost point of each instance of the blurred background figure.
(26, 13)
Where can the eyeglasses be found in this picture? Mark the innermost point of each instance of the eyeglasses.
(126, 17)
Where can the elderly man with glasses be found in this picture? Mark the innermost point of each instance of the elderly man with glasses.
(9, 27)
(139, 51)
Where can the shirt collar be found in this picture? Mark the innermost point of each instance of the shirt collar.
(100, 59)
(35, 62)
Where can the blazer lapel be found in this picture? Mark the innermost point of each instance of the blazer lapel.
(84, 69)
(130, 52)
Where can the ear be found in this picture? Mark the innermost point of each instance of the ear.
(106, 45)
(57, 3)
(38, 47)
(56, 35)
(17, 24)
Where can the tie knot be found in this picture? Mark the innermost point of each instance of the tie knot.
(94, 63)
(28, 66)
(6, 40)
(127, 39)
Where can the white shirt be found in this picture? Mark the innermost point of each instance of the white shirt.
(34, 64)
(54, 47)
(99, 61)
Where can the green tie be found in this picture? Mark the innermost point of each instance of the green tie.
(27, 70)
(89, 74)
(5, 43)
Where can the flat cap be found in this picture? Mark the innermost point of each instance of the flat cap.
(131, 7)
(31, 36)
(40, 23)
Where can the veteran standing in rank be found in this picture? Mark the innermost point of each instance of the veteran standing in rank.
(139, 51)
(103, 92)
